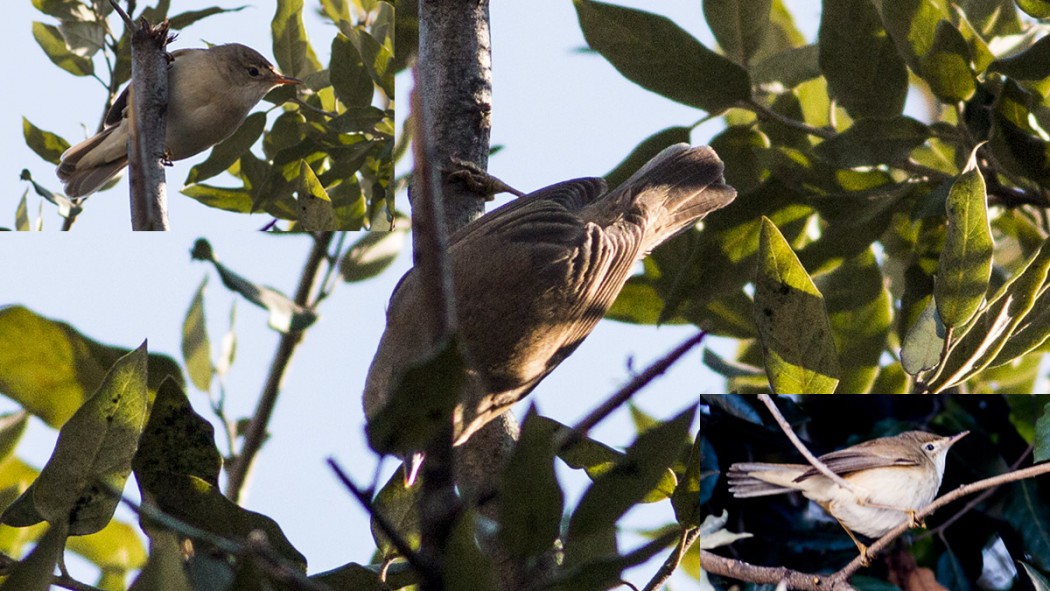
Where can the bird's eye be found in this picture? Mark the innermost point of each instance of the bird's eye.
(929, 447)
(253, 71)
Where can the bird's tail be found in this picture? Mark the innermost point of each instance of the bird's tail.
(88, 165)
(675, 189)
(757, 479)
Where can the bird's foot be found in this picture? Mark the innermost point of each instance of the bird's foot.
(165, 159)
(914, 520)
(478, 180)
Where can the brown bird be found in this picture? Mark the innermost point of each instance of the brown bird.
(533, 277)
(210, 92)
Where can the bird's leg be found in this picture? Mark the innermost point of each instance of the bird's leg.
(165, 158)
(478, 180)
(865, 557)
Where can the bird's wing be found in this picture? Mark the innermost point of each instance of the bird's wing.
(120, 106)
(853, 459)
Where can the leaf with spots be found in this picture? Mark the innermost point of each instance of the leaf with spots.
(92, 458)
(792, 320)
(176, 440)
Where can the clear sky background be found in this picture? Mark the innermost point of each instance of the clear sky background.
(559, 114)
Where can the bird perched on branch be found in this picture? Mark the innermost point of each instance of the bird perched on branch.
(533, 277)
(210, 92)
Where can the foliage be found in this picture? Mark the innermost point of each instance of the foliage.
(326, 158)
(922, 235)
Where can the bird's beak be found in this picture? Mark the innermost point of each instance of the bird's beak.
(957, 437)
(281, 79)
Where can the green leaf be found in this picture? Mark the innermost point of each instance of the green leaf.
(46, 144)
(229, 150)
(739, 26)
(686, 498)
(196, 348)
(986, 336)
(606, 572)
(860, 310)
(924, 343)
(965, 264)
(33, 573)
(657, 54)
(66, 208)
(792, 321)
(466, 567)
(165, 570)
(93, 455)
(22, 214)
(366, 578)
(873, 142)
(1031, 64)
(531, 502)
(291, 47)
(200, 504)
(51, 369)
(63, 10)
(12, 426)
(285, 315)
(738, 146)
(596, 458)
(864, 72)
(226, 199)
(787, 69)
(372, 254)
(54, 45)
(350, 78)
(185, 19)
(1035, 8)
(315, 206)
(1041, 452)
(643, 152)
(399, 504)
(176, 440)
(1025, 509)
(946, 67)
(116, 548)
(912, 24)
(630, 479)
(377, 57)
(422, 399)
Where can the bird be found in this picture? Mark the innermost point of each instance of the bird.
(532, 278)
(896, 476)
(210, 92)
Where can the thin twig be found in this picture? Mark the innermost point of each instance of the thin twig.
(688, 537)
(255, 547)
(256, 433)
(439, 506)
(764, 112)
(625, 393)
(816, 463)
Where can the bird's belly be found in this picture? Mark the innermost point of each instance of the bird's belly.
(909, 491)
(193, 129)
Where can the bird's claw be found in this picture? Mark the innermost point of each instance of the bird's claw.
(478, 180)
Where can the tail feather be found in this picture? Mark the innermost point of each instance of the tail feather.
(758, 479)
(87, 166)
(676, 188)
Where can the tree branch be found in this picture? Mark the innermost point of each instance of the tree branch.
(743, 571)
(63, 581)
(147, 103)
(688, 537)
(256, 433)
(813, 461)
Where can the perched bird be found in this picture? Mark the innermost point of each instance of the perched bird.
(900, 475)
(210, 92)
(533, 277)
